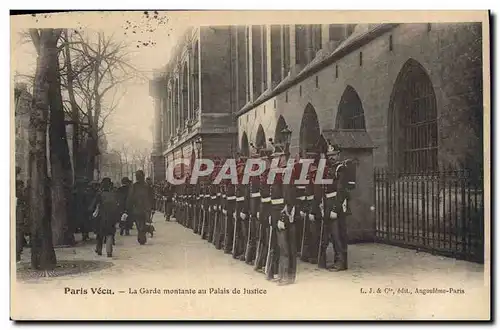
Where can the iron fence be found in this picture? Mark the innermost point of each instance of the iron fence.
(441, 212)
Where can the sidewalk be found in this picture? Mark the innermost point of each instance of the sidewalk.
(176, 258)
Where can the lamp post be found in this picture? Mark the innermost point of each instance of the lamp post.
(287, 135)
(198, 147)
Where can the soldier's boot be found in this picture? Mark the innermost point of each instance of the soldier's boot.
(243, 241)
(216, 239)
(250, 243)
(340, 263)
(260, 249)
(322, 258)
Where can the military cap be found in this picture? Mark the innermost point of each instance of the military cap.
(332, 150)
(279, 150)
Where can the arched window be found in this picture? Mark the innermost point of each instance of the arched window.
(280, 126)
(350, 113)
(185, 103)
(169, 113)
(176, 106)
(309, 131)
(260, 139)
(300, 44)
(244, 147)
(195, 88)
(413, 121)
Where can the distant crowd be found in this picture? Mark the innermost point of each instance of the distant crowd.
(99, 208)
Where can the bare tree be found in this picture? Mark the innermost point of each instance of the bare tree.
(42, 251)
(98, 66)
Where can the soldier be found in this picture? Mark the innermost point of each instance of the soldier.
(344, 182)
(187, 203)
(167, 198)
(254, 206)
(310, 236)
(211, 203)
(286, 230)
(220, 204)
(277, 204)
(229, 215)
(264, 212)
(300, 204)
(204, 203)
(241, 213)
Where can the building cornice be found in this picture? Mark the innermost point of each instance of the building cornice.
(318, 65)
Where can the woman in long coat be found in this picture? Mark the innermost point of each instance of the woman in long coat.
(106, 212)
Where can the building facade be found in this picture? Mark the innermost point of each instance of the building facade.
(407, 98)
(197, 96)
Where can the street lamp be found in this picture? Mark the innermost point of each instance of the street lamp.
(287, 135)
(198, 146)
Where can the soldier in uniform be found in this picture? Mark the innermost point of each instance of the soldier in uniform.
(310, 236)
(254, 206)
(241, 213)
(330, 210)
(168, 196)
(300, 204)
(287, 227)
(220, 204)
(211, 203)
(277, 206)
(194, 206)
(344, 183)
(264, 212)
(229, 216)
(182, 204)
(200, 211)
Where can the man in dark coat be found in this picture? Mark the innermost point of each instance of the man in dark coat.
(106, 212)
(139, 205)
(122, 194)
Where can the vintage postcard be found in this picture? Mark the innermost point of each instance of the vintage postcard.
(260, 165)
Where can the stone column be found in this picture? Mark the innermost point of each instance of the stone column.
(293, 47)
(250, 63)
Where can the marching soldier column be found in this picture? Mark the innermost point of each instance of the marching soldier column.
(268, 220)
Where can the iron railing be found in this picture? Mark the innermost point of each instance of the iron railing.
(441, 212)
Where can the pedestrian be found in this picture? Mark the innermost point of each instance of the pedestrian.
(20, 218)
(106, 213)
(122, 193)
(139, 205)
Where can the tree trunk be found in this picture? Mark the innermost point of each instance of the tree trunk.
(60, 162)
(91, 151)
(42, 251)
(75, 114)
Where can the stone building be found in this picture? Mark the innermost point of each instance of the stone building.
(197, 95)
(404, 97)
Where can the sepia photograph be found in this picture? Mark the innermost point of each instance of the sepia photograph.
(250, 165)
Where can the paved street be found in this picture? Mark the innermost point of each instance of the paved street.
(176, 258)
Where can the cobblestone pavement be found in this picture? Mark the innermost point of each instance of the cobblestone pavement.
(176, 258)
